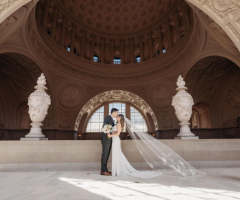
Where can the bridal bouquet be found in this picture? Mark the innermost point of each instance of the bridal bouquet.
(107, 129)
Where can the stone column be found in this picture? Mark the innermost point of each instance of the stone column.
(131, 49)
(73, 38)
(177, 26)
(112, 54)
(63, 31)
(92, 47)
(38, 102)
(185, 18)
(54, 22)
(102, 51)
(82, 45)
(183, 103)
(150, 45)
(45, 14)
(160, 41)
(122, 57)
(169, 35)
(141, 48)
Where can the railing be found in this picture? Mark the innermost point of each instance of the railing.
(51, 134)
(55, 134)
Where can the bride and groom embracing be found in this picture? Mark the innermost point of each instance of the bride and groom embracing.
(157, 155)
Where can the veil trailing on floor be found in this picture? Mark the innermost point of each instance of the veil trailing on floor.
(158, 155)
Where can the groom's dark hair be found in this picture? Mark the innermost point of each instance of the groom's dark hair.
(114, 110)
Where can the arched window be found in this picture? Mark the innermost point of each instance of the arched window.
(96, 121)
(122, 110)
(95, 58)
(117, 61)
(137, 119)
(68, 48)
(120, 106)
(138, 59)
(164, 50)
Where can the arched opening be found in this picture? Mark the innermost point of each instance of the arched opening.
(23, 121)
(117, 61)
(201, 117)
(210, 82)
(18, 76)
(128, 103)
(223, 13)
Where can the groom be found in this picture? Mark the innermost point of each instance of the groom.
(107, 143)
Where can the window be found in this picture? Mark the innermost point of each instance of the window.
(96, 121)
(95, 58)
(68, 49)
(137, 119)
(138, 59)
(120, 106)
(122, 110)
(164, 50)
(117, 61)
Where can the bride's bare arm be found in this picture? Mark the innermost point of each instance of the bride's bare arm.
(118, 131)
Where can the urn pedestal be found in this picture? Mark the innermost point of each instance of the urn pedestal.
(183, 103)
(38, 103)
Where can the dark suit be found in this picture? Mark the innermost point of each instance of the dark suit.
(106, 144)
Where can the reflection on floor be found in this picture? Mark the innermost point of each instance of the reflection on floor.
(219, 184)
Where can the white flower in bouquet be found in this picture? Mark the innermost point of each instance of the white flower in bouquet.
(107, 129)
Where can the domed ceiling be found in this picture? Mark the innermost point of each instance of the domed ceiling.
(119, 16)
(102, 31)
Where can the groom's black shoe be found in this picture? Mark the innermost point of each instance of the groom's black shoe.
(106, 173)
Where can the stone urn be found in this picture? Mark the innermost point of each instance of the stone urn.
(182, 103)
(38, 102)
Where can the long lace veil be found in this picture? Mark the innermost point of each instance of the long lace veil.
(158, 155)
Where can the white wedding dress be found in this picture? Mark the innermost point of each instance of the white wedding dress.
(121, 166)
(156, 154)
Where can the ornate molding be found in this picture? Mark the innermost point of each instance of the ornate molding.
(224, 13)
(116, 95)
(59, 65)
(161, 96)
(70, 95)
(8, 7)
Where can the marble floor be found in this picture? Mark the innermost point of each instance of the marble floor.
(80, 185)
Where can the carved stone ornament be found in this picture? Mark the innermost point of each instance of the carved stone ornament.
(222, 4)
(38, 102)
(160, 96)
(70, 96)
(182, 103)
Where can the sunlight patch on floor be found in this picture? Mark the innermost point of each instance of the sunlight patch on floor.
(141, 191)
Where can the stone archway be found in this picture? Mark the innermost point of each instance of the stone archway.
(9, 7)
(225, 13)
(116, 95)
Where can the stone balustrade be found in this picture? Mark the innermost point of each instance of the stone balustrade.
(80, 155)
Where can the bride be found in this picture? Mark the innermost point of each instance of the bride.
(157, 155)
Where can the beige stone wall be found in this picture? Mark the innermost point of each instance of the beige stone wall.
(87, 154)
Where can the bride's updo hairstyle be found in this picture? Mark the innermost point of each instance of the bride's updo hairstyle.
(122, 120)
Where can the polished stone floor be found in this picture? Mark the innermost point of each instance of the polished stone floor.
(219, 184)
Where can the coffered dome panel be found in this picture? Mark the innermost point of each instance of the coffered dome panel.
(119, 16)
